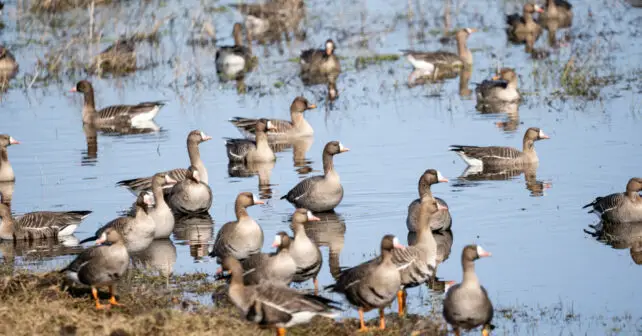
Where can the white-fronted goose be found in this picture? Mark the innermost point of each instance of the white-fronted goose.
(559, 12)
(39, 224)
(466, 305)
(440, 220)
(119, 57)
(137, 231)
(101, 265)
(234, 60)
(252, 151)
(277, 267)
(6, 171)
(272, 305)
(522, 28)
(283, 129)
(372, 284)
(428, 62)
(8, 64)
(502, 156)
(502, 88)
(191, 195)
(306, 254)
(194, 138)
(321, 61)
(115, 114)
(320, 193)
(161, 213)
(620, 207)
(242, 237)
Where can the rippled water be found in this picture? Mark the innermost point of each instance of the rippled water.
(533, 225)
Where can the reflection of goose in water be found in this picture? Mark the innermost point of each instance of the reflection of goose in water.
(300, 148)
(261, 169)
(620, 236)
(329, 231)
(159, 256)
(195, 231)
(6, 192)
(489, 173)
(38, 250)
(444, 241)
(90, 156)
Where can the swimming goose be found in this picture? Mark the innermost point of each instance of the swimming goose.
(620, 207)
(274, 305)
(372, 284)
(119, 57)
(39, 224)
(101, 265)
(137, 231)
(191, 195)
(8, 64)
(466, 305)
(502, 88)
(6, 171)
(502, 156)
(320, 193)
(234, 60)
(161, 213)
(298, 127)
(252, 151)
(428, 62)
(320, 61)
(523, 28)
(194, 138)
(306, 254)
(240, 238)
(441, 220)
(115, 114)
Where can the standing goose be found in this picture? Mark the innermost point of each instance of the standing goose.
(441, 220)
(372, 284)
(306, 254)
(194, 138)
(234, 60)
(274, 305)
(283, 129)
(320, 61)
(620, 207)
(524, 28)
(240, 238)
(249, 151)
(115, 114)
(320, 193)
(161, 213)
(101, 265)
(428, 62)
(191, 195)
(6, 171)
(137, 231)
(558, 11)
(502, 88)
(494, 156)
(8, 64)
(39, 224)
(466, 305)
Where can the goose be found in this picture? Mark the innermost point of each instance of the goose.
(39, 224)
(115, 114)
(194, 138)
(101, 265)
(8, 65)
(304, 251)
(320, 193)
(466, 305)
(320, 61)
(242, 237)
(502, 156)
(524, 28)
(502, 88)
(137, 231)
(6, 171)
(372, 284)
(283, 129)
(161, 213)
(119, 57)
(557, 12)
(620, 207)
(234, 60)
(191, 195)
(428, 62)
(441, 220)
(252, 151)
(274, 305)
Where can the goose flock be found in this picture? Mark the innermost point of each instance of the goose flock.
(259, 282)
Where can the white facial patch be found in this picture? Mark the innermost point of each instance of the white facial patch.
(480, 250)
(541, 133)
(328, 45)
(269, 124)
(341, 147)
(148, 199)
(439, 176)
(254, 198)
(277, 240)
(469, 31)
(395, 241)
(309, 215)
(203, 135)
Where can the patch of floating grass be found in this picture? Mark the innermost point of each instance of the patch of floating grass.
(363, 61)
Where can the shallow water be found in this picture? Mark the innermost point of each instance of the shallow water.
(541, 255)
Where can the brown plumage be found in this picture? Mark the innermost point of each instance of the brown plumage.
(524, 28)
(6, 171)
(191, 195)
(620, 207)
(251, 151)
(39, 224)
(320, 61)
(442, 220)
(240, 238)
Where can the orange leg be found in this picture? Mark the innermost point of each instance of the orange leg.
(485, 331)
(382, 319)
(316, 286)
(280, 332)
(112, 299)
(94, 293)
(456, 331)
(362, 324)
(400, 302)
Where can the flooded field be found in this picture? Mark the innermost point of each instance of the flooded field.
(548, 273)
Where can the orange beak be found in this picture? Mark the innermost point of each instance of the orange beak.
(311, 106)
(496, 77)
(73, 90)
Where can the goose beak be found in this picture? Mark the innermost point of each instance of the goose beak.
(496, 77)
(102, 239)
(312, 106)
(13, 141)
(441, 206)
(73, 90)
(539, 9)
(543, 135)
(169, 180)
(312, 218)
